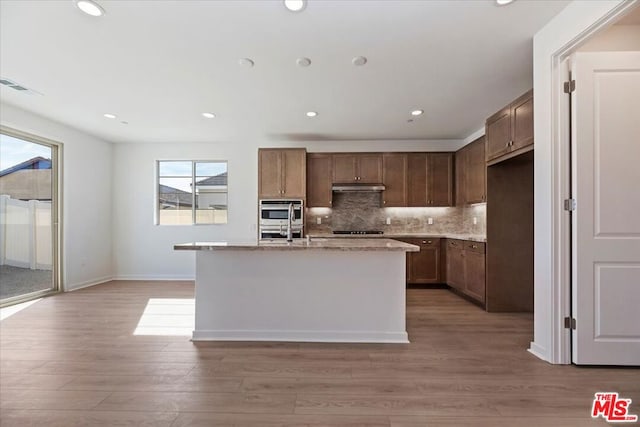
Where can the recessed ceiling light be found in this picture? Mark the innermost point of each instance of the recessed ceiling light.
(295, 5)
(503, 2)
(90, 7)
(110, 116)
(417, 112)
(246, 62)
(311, 114)
(303, 62)
(208, 115)
(359, 61)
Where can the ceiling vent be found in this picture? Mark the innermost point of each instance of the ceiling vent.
(18, 87)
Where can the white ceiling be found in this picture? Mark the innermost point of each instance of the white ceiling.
(159, 64)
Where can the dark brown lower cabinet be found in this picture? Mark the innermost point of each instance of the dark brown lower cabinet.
(466, 267)
(474, 270)
(455, 263)
(424, 267)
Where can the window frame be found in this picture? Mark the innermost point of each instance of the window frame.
(156, 216)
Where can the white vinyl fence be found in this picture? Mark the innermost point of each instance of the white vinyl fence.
(25, 233)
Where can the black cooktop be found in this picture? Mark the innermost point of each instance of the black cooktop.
(358, 232)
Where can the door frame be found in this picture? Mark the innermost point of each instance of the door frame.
(56, 211)
(560, 351)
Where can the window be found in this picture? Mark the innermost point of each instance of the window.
(192, 192)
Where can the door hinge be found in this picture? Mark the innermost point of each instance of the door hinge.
(569, 205)
(569, 86)
(569, 323)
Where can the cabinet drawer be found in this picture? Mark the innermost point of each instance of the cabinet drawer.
(455, 243)
(427, 241)
(474, 246)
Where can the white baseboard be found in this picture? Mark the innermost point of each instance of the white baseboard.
(302, 336)
(538, 351)
(87, 283)
(166, 277)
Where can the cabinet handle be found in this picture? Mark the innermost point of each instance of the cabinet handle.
(384, 202)
(473, 246)
(510, 143)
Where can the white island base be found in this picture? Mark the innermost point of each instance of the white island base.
(300, 295)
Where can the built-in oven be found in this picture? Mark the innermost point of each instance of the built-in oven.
(274, 218)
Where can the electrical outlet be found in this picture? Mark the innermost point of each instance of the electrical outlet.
(430, 221)
(475, 220)
(319, 220)
(388, 221)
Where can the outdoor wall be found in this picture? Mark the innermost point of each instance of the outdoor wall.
(28, 184)
(86, 204)
(143, 250)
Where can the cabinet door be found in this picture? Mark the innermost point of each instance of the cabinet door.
(294, 166)
(455, 264)
(369, 168)
(425, 265)
(394, 178)
(440, 179)
(269, 174)
(461, 173)
(522, 121)
(319, 171)
(344, 168)
(474, 273)
(417, 179)
(476, 172)
(498, 133)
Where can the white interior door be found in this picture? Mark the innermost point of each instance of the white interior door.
(606, 223)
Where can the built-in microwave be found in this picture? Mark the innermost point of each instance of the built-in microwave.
(274, 218)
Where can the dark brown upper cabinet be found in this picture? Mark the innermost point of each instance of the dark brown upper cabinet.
(471, 173)
(509, 132)
(356, 167)
(440, 179)
(476, 172)
(430, 178)
(460, 174)
(281, 173)
(319, 173)
(394, 177)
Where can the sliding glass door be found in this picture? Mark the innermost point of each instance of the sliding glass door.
(29, 214)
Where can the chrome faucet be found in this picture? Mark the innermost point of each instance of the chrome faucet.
(290, 218)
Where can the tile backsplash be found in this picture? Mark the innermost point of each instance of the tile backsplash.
(363, 211)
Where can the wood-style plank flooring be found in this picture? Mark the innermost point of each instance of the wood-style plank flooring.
(73, 360)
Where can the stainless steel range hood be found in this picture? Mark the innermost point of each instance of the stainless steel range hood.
(349, 187)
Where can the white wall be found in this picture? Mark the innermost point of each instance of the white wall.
(615, 38)
(143, 250)
(565, 28)
(86, 204)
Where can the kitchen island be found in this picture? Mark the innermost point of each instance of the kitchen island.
(324, 290)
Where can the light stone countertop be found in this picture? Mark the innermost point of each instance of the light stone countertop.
(469, 237)
(314, 243)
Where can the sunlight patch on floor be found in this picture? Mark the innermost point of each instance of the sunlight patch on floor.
(13, 309)
(167, 316)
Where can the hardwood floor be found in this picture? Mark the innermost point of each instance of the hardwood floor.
(73, 360)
